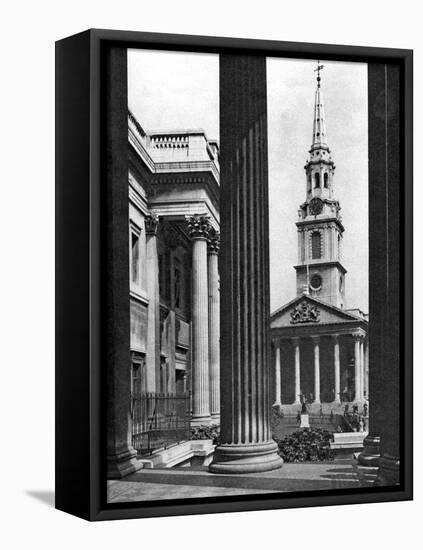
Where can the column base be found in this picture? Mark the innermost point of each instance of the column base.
(122, 463)
(200, 421)
(215, 418)
(370, 454)
(245, 458)
(389, 471)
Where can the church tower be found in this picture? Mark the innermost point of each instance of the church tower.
(320, 272)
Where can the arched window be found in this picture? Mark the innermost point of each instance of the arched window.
(316, 179)
(326, 180)
(309, 184)
(316, 245)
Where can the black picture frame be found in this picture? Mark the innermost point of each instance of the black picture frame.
(81, 248)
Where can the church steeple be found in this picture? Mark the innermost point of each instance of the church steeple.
(319, 123)
(319, 270)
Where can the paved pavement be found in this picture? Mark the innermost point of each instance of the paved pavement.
(171, 483)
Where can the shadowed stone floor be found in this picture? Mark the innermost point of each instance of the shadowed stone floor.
(174, 483)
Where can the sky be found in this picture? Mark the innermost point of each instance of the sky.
(168, 90)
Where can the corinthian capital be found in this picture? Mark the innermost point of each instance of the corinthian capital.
(151, 223)
(213, 241)
(198, 226)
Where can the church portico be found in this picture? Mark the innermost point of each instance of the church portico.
(323, 363)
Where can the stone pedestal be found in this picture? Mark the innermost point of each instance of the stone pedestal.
(246, 439)
(305, 421)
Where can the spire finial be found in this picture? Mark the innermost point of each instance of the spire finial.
(318, 69)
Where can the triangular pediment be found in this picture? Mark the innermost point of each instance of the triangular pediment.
(305, 310)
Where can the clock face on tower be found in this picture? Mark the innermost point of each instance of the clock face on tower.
(315, 206)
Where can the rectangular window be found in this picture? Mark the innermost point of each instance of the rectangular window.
(135, 257)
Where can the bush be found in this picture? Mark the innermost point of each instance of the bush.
(206, 432)
(306, 445)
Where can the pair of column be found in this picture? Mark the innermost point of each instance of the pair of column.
(205, 321)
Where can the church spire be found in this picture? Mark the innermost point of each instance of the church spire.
(319, 123)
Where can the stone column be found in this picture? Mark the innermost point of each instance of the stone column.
(337, 368)
(362, 369)
(316, 370)
(121, 456)
(366, 369)
(246, 439)
(214, 325)
(153, 319)
(278, 373)
(199, 227)
(297, 359)
(357, 366)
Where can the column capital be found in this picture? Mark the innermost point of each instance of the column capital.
(358, 336)
(151, 224)
(295, 340)
(335, 337)
(213, 241)
(316, 339)
(198, 226)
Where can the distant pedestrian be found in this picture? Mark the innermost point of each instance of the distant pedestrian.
(346, 408)
(298, 417)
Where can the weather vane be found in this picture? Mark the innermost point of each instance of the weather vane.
(318, 69)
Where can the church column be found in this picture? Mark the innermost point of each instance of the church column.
(153, 319)
(214, 327)
(337, 368)
(357, 366)
(278, 388)
(362, 369)
(199, 227)
(316, 369)
(296, 343)
(246, 439)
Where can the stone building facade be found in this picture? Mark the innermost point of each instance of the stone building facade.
(173, 193)
(320, 347)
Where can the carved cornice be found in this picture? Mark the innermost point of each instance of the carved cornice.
(151, 224)
(199, 226)
(213, 243)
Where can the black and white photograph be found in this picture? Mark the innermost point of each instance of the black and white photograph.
(250, 351)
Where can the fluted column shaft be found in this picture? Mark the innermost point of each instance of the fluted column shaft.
(199, 227)
(337, 369)
(246, 440)
(153, 323)
(362, 369)
(296, 343)
(357, 367)
(316, 370)
(277, 373)
(214, 326)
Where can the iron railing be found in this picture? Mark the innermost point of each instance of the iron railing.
(159, 420)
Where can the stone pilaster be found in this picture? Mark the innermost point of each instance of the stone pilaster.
(277, 373)
(362, 369)
(246, 439)
(297, 360)
(214, 324)
(316, 346)
(199, 226)
(337, 368)
(153, 318)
